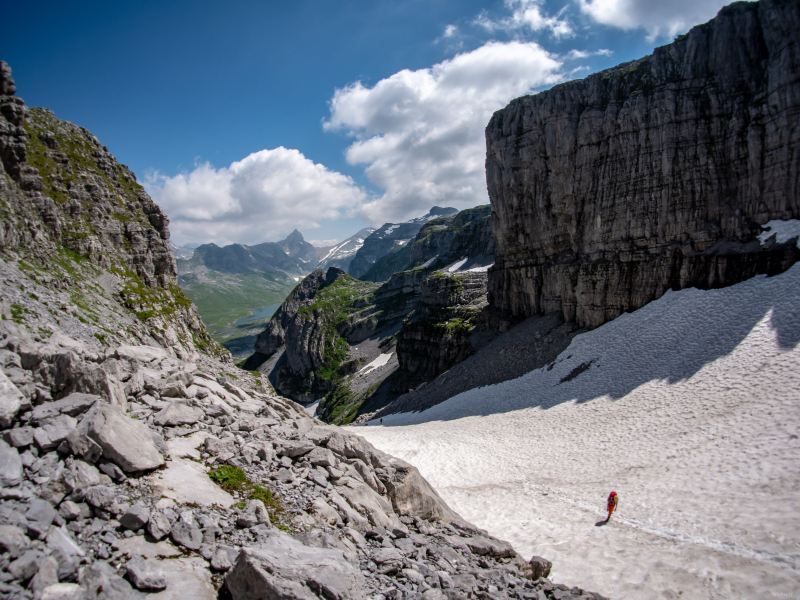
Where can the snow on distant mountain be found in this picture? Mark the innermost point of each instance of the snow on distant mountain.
(390, 237)
(340, 255)
(185, 251)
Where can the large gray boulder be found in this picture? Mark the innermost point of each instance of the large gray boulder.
(10, 466)
(178, 413)
(124, 441)
(73, 405)
(11, 400)
(285, 568)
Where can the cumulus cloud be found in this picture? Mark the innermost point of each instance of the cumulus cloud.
(421, 133)
(526, 15)
(261, 197)
(659, 18)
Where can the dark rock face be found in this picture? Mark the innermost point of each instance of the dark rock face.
(436, 337)
(442, 242)
(656, 174)
(389, 237)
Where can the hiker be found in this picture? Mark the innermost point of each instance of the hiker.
(613, 499)
(381, 420)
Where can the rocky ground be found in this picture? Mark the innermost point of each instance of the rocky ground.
(126, 470)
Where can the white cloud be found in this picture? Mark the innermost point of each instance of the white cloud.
(421, 133)
(450, 31)
(659, 18)
(323, 243)
(526, 14)
(261, 197)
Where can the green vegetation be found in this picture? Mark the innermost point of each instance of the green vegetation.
(222, 299)
(233, 479)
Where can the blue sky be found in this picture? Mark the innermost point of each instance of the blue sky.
(246, 120)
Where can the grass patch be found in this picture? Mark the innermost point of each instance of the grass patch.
(233, 479)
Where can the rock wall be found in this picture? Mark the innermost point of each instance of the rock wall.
(437, 335)
(656, 174)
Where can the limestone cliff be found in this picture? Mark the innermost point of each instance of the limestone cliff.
(656, 174)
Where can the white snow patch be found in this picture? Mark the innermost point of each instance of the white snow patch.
(376, 364)
(690, 410)
(480, 269)
(391, 229)
(312, 408)
(296, 278)
(782, 230)
(457, 265)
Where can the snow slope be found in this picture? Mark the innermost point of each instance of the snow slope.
(689, 408)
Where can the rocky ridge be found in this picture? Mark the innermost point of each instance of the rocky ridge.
(389, 238)
(653, 175)
(341, 255)
(440, 243)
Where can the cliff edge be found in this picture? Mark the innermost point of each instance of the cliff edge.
(656, 174)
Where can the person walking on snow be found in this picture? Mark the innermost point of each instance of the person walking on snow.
(613, 499)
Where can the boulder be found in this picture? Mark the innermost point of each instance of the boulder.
(40, 515)
(146, 574)
(255, 513)
(62, 591)
(10, 466)
(124, 441)
(56, 430)
(13, 540)
(321, 457)
(539, 567)
(19, 436)
(73, 405)
(295, 448)
(11, 400)
(101, 582)
(187, 535)
(135, 517)
(178, 413)
(286, 568)
(364, 499)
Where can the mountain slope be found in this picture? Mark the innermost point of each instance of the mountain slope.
(465, 237)
(391, 237)
(229, 283)
(341, 255)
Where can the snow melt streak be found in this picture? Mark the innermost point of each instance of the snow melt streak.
(689, 408)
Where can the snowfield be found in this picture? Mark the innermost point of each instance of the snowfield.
(688, 408)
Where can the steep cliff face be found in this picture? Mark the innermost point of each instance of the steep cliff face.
(65, 201)
(656, 174)
(441, 242)
(437, 335)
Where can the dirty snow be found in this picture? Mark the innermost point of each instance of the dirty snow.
(457, 265)
(376, 364)
(689, 408)
(480, 269)
(782, 230)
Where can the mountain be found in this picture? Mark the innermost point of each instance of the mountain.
(118, 414)
(228, 284)
(391, 237)
(663, 172)
(465, 237)
(185, 252)
(340, 255)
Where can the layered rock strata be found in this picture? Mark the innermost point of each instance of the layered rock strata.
(656, 174)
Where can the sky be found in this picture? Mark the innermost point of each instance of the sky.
(246, 120)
